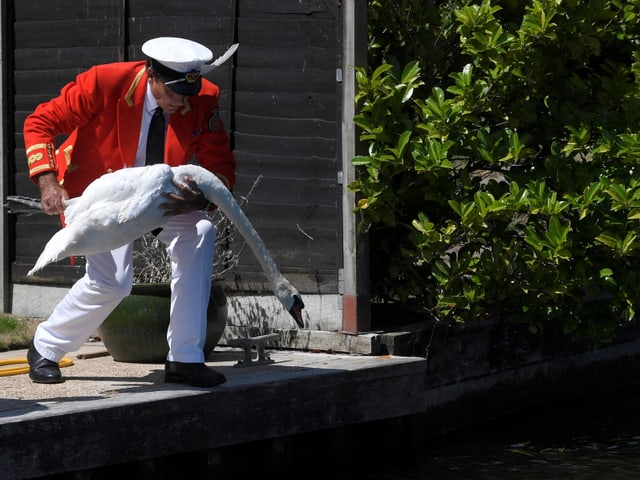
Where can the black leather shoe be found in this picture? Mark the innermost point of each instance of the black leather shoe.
(196, 374)
(42, 370)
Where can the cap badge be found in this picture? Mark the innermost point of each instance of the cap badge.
(192, 76)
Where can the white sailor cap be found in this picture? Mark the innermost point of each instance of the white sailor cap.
(180, 63)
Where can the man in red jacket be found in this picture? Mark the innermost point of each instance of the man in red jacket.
(107, 113)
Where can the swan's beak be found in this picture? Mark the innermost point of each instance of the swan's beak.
(296, 310)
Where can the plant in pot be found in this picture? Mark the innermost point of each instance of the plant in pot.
(136, 331)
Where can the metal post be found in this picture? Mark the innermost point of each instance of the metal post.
(356, 311)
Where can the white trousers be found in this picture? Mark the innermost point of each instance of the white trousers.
(190, 241)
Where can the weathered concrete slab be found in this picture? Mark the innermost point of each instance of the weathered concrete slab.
(110, 412)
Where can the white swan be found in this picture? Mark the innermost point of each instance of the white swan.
(120, 207)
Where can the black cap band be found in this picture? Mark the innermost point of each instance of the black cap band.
(182, 83)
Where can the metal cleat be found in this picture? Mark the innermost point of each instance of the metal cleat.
(248, 343)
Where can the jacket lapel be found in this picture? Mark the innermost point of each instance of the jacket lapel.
(129, 118)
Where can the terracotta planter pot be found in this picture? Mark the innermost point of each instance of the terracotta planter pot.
(136, 331)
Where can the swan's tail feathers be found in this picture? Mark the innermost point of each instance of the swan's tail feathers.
(18, 204)
(296, 310)
(54, 250)
(42, 262)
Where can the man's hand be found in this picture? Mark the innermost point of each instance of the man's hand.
(189, 199)
(52, 195)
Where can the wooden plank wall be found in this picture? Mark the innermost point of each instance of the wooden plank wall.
(54, 41)
(286, 135)
(279, 103)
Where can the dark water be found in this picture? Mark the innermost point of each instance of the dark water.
(594, 437)
(589, 437)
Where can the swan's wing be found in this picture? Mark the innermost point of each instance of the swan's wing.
(119, 197)
(144, 193)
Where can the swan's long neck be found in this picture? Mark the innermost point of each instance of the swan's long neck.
(217, 193)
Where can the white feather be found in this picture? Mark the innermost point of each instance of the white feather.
(220, 60)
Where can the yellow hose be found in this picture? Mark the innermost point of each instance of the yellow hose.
(5, 372)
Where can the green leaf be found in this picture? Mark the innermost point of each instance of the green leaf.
(410, 73)
(609, 239)
(361, 160)
(380, 71)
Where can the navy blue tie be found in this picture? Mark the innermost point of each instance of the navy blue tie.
(155, 140)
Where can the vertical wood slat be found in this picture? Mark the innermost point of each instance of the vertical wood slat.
(5, 256)
(123, 32)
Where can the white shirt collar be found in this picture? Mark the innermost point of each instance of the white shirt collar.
(150, 103)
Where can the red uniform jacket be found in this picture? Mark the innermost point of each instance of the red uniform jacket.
(101, 111)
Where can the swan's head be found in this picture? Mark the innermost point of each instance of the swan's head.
(291, 300)
(296, 310)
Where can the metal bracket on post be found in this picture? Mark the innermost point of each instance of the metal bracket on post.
(248, 343)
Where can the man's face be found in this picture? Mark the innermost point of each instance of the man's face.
(166, 98)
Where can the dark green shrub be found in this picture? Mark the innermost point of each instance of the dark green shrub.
(501, 174)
